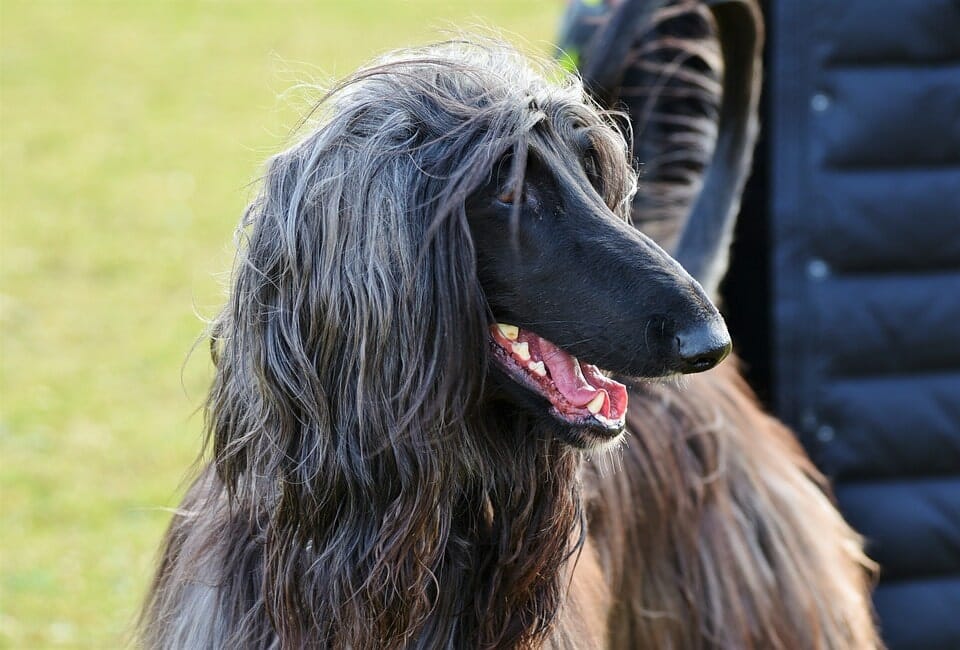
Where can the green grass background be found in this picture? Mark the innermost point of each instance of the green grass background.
(129, 135)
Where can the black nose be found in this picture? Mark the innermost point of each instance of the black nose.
(704, 346)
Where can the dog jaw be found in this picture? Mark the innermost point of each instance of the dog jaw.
(580, 396)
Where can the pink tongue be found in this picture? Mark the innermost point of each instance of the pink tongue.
(566, 374)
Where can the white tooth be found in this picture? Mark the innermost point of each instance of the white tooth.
(522, 350)
(596, 403)
(510, 332)
(538, 368)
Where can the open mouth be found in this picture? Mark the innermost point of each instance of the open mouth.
(579, 393)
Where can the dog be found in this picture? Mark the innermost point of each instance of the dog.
(446, 413)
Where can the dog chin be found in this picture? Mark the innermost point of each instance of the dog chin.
(588, 437)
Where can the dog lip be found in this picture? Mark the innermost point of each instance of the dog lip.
(578, 392)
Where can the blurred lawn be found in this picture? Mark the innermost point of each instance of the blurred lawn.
(130, 132)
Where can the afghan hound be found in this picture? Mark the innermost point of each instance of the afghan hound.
(440, 325)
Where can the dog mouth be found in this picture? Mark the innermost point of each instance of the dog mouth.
(579, 393)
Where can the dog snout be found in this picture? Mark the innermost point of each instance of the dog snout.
(702, 346)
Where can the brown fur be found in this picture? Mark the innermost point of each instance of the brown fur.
(716, 531)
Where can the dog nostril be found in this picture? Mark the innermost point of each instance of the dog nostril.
(704, 361)
(701, 348)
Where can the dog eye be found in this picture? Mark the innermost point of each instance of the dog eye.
(507, 197)
(592, 167)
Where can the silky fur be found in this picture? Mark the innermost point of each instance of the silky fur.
(716, 531)
(362, 493)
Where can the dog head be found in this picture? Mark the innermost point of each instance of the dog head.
(573, 289)
(574, 292)
(455, 222)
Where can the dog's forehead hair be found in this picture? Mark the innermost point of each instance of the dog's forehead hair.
(565, 141)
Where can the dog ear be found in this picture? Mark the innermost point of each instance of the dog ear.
(350, 349)
(351, 313)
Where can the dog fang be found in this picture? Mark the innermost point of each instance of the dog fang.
(538, 368)
(522, 350)
(509, 332)
(596, 403)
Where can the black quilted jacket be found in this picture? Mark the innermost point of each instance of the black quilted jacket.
(863, 202)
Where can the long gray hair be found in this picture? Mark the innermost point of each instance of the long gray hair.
(379, 502)
(355, 308)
